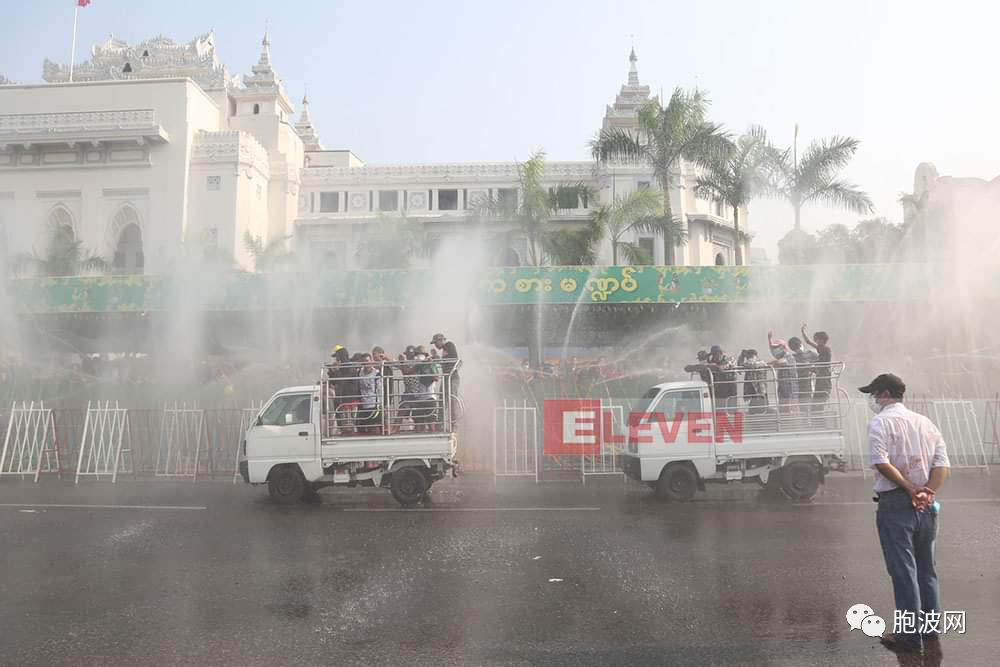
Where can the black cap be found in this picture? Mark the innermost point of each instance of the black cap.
(885, 382)
(436, 336)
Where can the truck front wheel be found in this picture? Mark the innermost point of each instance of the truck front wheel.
(286, 485)
(408, 486)
(800, 480)
(678, 482)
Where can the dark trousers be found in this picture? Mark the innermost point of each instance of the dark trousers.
(907, 537)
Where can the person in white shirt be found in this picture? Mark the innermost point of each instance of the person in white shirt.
(910, 460)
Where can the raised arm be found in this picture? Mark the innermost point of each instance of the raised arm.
(805, 337)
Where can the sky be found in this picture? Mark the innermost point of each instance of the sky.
(438, 81)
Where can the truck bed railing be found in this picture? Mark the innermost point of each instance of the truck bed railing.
(389, 398)
(778, 399)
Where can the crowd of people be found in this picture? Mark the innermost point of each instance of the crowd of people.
(801, 369)
(366, 384)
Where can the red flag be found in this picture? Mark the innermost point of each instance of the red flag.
(82, 3)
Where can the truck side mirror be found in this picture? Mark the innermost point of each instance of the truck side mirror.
(260, 421)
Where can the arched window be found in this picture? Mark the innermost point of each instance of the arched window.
(127, 69)
(125, 241)
(62, 221)
(720, 260)
(256, 109)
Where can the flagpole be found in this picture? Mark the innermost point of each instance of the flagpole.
(72, 55)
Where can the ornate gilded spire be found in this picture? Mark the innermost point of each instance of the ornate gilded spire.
(633, 73)
(304, 128)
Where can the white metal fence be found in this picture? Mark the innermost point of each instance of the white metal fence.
(247, 417)
(30, 446)
(106, 442)
(607, 459)
(183, 440)
(957, 419)
(515, 440)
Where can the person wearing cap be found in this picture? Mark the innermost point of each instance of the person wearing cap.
(911, 463)
(448, 351)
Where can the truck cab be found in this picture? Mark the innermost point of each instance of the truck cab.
(683, 435)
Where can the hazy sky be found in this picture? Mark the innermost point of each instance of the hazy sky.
(439, 81)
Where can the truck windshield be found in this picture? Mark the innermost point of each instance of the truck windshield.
(296, 405)
(643, 404)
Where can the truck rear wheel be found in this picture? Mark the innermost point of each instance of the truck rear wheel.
(800, 480)
(408, 486)
(286, 485)
(678, 482)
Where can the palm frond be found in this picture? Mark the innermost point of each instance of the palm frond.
(633, 253)
(844, 195)
(617, 145)
(822, 159)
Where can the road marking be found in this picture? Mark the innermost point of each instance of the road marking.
(105, 507)
(950, 501)
(473, 509)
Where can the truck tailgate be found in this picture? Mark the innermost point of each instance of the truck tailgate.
(367, 448)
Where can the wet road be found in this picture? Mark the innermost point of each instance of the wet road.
(211, 573)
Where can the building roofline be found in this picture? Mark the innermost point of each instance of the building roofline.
(112, 82)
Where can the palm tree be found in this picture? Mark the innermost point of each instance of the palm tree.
(573, 247)
(269, 256)
(65, 256)
(394, 245)
(814, 177)
(736, 177)
(638, 211)
(666, 135)
(532, 213)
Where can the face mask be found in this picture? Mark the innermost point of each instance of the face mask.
(873, 404)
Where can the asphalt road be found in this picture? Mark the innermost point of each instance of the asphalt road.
(211, 573)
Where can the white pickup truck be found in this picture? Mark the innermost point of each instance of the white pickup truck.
(360, 429)
(684, 434)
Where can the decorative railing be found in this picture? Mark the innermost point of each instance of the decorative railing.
(76, 121)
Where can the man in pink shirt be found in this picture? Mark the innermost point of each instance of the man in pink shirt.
(910, 461)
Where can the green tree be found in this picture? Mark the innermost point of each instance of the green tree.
(736, 176)
(638, 211)
(877, 240)
(64, 256)
(532, 211)
(394, 244)
(573, 247)
(813, 179)
(270, 256)
(834, 245)
(667, 134)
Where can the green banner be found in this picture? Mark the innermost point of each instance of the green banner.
(493, 287)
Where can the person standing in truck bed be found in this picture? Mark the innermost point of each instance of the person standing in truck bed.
(449, 356)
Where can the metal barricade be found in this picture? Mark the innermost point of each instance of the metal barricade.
(247, 418)
(30, 446)
(955, 418)
(183, 439)
(107, 437)
(607, 459)
(959, 426)
(515, 441)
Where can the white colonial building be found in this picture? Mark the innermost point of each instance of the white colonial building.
(156, 150)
